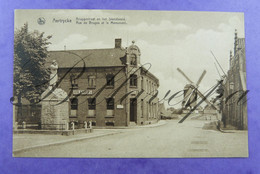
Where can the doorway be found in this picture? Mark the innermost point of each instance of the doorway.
(133, 110)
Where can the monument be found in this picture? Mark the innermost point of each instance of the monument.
(55, 104)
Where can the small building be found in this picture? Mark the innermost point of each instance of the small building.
(209, 109)
(108, 86)
(162, 109)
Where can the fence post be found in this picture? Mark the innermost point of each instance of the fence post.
(90, 124)
(73, 125)
(85, 124)
(67, 126)
(24, 124)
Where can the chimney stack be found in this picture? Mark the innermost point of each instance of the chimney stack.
(118, 43)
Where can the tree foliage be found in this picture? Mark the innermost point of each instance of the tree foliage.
(30, 73)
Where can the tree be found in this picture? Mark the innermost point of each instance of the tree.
(30, 53)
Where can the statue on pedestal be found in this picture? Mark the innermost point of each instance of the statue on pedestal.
(54, 73)
(55, 103)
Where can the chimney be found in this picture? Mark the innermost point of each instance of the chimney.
(118, 43)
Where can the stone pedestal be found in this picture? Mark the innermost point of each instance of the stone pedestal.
(55, 109)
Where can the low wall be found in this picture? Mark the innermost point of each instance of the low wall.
(53, 132)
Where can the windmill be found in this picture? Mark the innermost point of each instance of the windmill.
(191, 92)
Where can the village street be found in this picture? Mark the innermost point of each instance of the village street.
(169, 140)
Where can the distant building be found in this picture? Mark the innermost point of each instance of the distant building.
(235, 111)
(162, 109)
(111, 88)
(28, 112)
(209, 109)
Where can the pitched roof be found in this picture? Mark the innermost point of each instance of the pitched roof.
(92, 57)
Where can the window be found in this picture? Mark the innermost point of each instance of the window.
(73, 81)
(110, 107)
(92, 103)
(110, 123)
(110, 80)
(151, 110)
(142, 108)
(74, 103)
(73, 107)
(110, 104)
(150, 87)
(147, 86)
(148, 109)
(91, 107)
(133, 59)
(154, 110)
(142, 83)
(152, 90)
(92, 81)
(133, 80)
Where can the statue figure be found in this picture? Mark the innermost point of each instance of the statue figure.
(54, 73)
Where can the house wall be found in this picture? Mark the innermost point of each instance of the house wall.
(234, 112)
(101, 117)
(150, 111)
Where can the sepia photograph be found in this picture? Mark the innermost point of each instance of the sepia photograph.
(129, 84)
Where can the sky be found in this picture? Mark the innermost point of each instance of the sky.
(167, 39)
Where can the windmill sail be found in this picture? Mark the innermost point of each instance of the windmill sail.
(205, 99)
(201, 77)
(184, 75)
(191, 91)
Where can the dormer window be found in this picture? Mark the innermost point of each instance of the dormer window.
(133, 59)
(73, 81)
(91, 81)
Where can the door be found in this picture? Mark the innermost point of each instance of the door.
(133, 110)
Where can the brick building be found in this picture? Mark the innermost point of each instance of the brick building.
(108, 86)
(234, 107)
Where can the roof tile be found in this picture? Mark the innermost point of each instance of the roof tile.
(92, 57)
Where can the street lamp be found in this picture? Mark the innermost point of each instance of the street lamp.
(231, 85)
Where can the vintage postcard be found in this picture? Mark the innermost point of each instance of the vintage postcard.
(129, 84)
